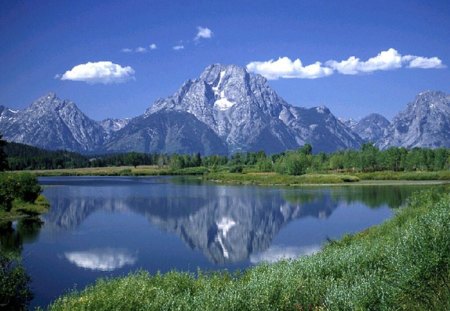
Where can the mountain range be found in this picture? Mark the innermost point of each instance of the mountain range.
(225, 110)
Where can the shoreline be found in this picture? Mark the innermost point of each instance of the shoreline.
(347, 273)
(21, 210)
(249, 177)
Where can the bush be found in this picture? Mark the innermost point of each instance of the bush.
(15, 293)
(6, 191)
(23, 186)
(26, 187)
(265, 165)
(236, 169)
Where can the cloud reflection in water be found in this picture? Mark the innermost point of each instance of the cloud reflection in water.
(277, 253)
(105, 259)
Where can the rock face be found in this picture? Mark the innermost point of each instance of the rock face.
(52, 123)
(248, 115)
(7, 115)
(424, 123)
(371, 128)
(166, 132)
(225, 110)
(113, 125)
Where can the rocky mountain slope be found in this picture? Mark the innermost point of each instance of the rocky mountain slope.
(166, 132)
(248, 115)
(52, 123)
(371, 128)
(424, 123)
(113, 125)
(225, 110)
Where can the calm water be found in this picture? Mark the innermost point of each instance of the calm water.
(109, 226)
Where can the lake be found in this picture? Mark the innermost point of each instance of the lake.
(110, 226)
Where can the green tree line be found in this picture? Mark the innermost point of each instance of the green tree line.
(295, 162)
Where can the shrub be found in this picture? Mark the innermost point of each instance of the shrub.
(23, 186)
(6, 191)
(15, 293)
(26, 187)
(236, 169)
(265, 165)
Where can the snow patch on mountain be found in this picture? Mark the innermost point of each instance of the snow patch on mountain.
(223, 103)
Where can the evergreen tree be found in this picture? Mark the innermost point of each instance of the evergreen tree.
(3, 162)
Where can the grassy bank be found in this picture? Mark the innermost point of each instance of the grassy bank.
(143, 170)
(249, 175)
(220, 175)
(272, 179)
(20, 196)
(22, 209)
(417, 175)
(401, 264)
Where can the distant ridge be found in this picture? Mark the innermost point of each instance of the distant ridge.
(424, 123)
(225, 110)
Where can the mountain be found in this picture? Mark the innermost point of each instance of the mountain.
(52, 123)
(371, 128)
(225, 110)
(248, 115)
(113, 125)
(7, 115)
(424, 123)
(166, 132)
(350, 123)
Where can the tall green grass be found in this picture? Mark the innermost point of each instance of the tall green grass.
(279, 179)
(402, 264)
(416, 175)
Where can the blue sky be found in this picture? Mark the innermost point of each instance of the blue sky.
(42, 42)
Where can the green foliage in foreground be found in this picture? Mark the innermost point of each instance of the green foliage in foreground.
(15, 293)
(23, 187)
(402, 264)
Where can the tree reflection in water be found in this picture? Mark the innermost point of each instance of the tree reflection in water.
(15, 293)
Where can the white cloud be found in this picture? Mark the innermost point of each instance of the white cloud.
(104, 72)
(203, 33)
(140, 49)
(390, 59)
(178, 47)
(284, 67)
(423, 62)
(386, 60)
(277, 253)
(107, 259)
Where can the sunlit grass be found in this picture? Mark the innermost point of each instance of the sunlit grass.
(249, 175)
(279, 179)
(417, 175)
(25, 209)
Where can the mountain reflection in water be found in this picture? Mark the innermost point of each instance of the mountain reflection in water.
(225, 223)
